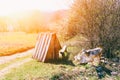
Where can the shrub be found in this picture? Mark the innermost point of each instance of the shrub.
(98, 21)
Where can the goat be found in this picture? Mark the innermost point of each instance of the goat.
(63, 51)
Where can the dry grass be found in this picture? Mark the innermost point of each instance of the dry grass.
(13, 42)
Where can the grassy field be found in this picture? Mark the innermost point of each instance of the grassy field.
(33, 70)
(13, 42)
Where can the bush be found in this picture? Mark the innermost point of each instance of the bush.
(99, 22)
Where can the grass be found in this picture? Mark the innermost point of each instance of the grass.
(33, 70)
(13, 61)
(13, 42)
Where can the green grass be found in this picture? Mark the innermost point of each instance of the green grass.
(33, 70)
(13, 61)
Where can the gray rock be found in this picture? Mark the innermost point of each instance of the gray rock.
(115, 59)
(114, 64)
(114, 73)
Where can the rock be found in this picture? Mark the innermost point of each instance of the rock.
(114, 73)
(77, 57)
(102, 58)
(115, 59)
(103, 61)
(106, 62)
(91, 55)
(101, 75)
(113, 64)
(99, 68)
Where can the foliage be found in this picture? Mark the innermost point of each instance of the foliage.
(98, 21)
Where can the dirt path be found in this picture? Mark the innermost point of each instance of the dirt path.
(6, 59)
(14, 65)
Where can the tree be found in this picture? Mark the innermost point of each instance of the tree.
(99, 22)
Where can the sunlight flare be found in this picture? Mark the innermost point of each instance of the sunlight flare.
(14, 6)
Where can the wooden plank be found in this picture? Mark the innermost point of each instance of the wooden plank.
(44, 46)
(36, 46)
(39, 46)
(47, 47)
(39, 58)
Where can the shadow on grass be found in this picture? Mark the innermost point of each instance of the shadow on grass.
(102, 71)
(62, 61)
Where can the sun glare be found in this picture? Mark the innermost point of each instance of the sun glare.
(14, 6)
